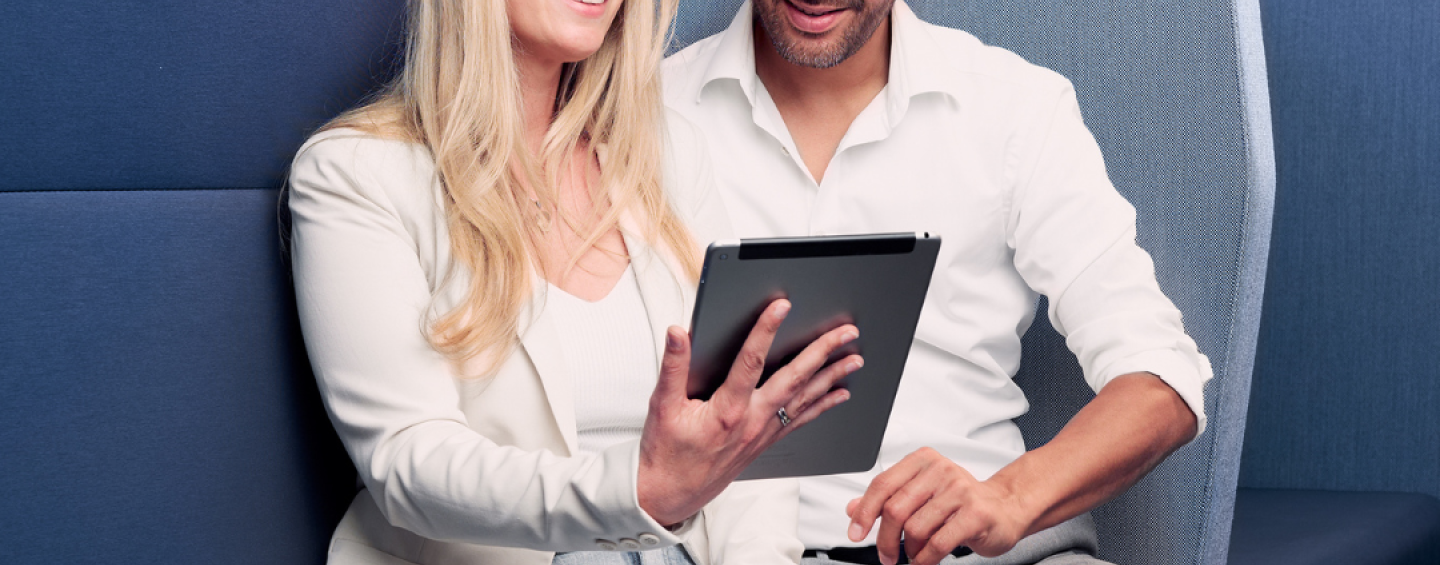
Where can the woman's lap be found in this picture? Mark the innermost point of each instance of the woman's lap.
(674, 555)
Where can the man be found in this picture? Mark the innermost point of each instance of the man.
(853, 116)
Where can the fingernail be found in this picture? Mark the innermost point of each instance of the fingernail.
(848, 337)
(844, 395)
(854, 366)
(782, 310)
(856, 532)
(671, 342)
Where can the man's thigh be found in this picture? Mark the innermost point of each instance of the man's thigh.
(1074, 557)
(1069, 543)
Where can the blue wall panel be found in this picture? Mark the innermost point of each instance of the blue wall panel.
(1346, 392)
(178, 93)
(156, 405)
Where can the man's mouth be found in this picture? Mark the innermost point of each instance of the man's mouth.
(812, 19)
(815, 11)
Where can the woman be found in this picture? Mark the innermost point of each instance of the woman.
(487, 259)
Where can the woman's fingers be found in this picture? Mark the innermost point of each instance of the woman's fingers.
(791, 380)
(733, 396)
(815, 409)
(800, 406)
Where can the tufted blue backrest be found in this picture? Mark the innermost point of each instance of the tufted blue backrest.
(1175, 93)
(156, 405)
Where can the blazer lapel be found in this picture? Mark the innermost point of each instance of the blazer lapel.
(667, 301)
(541, 339)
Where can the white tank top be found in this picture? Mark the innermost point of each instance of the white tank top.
(609, 349)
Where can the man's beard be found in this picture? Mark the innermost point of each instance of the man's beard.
(775, 25)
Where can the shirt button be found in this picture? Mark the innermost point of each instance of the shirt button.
(649, 540)
(606, 545)
(629, 544)
(785, 150)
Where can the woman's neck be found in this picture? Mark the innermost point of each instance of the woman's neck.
(539, 82)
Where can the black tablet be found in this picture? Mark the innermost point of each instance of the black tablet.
(875, 281)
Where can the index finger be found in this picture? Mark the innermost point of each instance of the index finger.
(750, 363)
(883, 487)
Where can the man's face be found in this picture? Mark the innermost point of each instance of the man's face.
(820, 33)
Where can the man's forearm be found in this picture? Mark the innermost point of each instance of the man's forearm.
(1132, 425)
(1124, 432)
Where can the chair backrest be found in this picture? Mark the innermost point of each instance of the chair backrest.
(1175, 94)
(156, 405)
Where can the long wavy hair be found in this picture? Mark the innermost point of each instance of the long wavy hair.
(459, 95)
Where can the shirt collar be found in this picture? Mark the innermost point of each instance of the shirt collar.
(916, 59)
(735, 56)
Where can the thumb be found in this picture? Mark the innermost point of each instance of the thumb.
(674, 368)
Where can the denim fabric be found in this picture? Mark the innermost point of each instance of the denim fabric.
(1175, 94)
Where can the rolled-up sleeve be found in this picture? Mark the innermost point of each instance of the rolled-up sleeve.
(1074, 241)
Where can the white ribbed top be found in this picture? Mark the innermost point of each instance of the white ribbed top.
(610, 352)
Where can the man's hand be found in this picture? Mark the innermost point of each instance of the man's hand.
(938, 506)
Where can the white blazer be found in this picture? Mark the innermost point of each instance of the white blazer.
(464, 471)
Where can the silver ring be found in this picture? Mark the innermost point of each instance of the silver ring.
(783, 416)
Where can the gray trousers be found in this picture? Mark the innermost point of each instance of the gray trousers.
(1070, 543)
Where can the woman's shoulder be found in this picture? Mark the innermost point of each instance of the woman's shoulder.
(374, 166)
(361, 149)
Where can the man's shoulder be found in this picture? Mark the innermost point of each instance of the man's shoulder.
(690, 54)
(965, 55)
(682, 71)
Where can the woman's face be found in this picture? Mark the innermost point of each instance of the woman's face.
(560, 31)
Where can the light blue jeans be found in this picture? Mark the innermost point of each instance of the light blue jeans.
(673, 555)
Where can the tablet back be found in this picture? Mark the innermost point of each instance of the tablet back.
(877, 282)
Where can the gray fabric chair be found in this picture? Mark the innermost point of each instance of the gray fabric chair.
(1175, 93)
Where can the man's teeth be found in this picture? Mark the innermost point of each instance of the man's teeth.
(592, 1)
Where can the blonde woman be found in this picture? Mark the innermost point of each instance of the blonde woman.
(491, 262)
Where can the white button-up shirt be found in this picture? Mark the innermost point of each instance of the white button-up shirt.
(990, 152)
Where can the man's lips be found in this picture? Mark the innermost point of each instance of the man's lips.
(812, 19)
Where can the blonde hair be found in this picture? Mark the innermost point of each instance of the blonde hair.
(459, 96)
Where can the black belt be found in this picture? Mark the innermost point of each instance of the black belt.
(868, 555)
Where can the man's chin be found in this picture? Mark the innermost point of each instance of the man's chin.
(812, 59)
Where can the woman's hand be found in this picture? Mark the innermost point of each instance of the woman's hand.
(690, 450)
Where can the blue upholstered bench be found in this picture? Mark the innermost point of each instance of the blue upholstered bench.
(1310, 527)
(156, 405)
(1346, 392)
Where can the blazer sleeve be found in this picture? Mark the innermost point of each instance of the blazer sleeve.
(363, 292)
